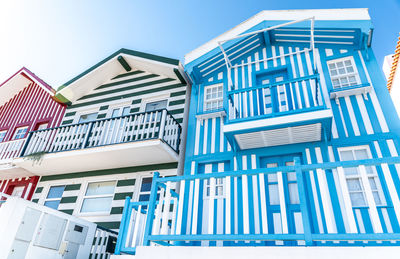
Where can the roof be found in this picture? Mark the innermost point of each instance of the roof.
(351, 14)
(123, 60)
(18, 81)
(395, 64)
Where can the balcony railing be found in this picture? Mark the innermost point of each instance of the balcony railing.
(10, 150)
(136, 127)
(278, 99)
(233, 209)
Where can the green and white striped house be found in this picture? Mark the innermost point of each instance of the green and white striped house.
(126, 118)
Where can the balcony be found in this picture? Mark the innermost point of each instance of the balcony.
(134, 140)
(234, 209)
(283, 113)
(10, 150)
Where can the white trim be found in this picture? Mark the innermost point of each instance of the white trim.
(349, 92)
(279, 15)
(278, 120)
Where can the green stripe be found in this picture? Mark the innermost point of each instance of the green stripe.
(110, 171)
(67, 122)
(119, 97)
(70, 114)
(126, 88)
(177, 102)
(179, 75)
(172, 112)
(105, 107)
(180, 120)
(72, 187)
(136, 101)
(116, 210)
(122, 195)
(125, 51)
(128, 74)
(101, 116)
(39, 190)
(35, 200)
(109, 225)
(178, 93)
(127, 182)
(126, 82)
(67, 211)
(133, 110)
(71, 199)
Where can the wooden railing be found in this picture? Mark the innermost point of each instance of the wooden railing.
(136, 127)
(235, 208)
(103, 243)
(277, 99)
(10, 150)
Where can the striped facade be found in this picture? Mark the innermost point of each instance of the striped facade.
(31, 105)
(133, 89)
(363, 119)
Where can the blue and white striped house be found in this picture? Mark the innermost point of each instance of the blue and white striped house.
(293, 140)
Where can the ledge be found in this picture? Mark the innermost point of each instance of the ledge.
(352, 90)
(209, 115)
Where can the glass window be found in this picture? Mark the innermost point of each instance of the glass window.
(98, 197)
(343, 72)
(213, 98)
(355, 185)
(154, 106)
(88, 117)
(54, 196)
(219, 187)
(42, 126)
(20, 132)
(3, 134)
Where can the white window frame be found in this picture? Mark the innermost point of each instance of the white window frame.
(355, 73)
(83, 197)
(153, 99)
(358, 176)
(53, 199)
(111, 108)
(219, 183)
(16, 132)
(206, 101)
(84, 112)
(4, 136)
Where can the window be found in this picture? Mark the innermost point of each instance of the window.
(120, 111)
(213, 99)
(354, 181)
(218, 186)
(54, 196)
(98, 197)
(88, 117)
(343, 72)
(20, 132)
(154, 106)
(145, 189)
(3, 134)
(42, 126)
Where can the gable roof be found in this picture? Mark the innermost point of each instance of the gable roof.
(349, 14)
(123, 60)
(18, 81)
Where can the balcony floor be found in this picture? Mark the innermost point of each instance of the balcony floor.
(281, 130)
(138, 153)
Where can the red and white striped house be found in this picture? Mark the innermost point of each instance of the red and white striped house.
(27, 103)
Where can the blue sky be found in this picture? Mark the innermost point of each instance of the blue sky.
(59, 39)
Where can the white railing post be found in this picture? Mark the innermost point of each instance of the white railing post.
(162, 125)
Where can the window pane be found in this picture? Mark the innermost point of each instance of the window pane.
(272, 177)
(2, 135)
(126, 111)
(350, 171)
(354, 184)
(146, 184)
(291, 176)
(88, 117)
(273, 194)
(357, 199)
(346, 155)
(100, 188)
(52, 204)
(115, 113)
(55, 192)
(372, 183)
(96, 204)
(293, 194)
(144, 197)
(377, 198)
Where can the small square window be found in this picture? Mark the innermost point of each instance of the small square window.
(88, 117)
(54, 196)
(20, 132)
